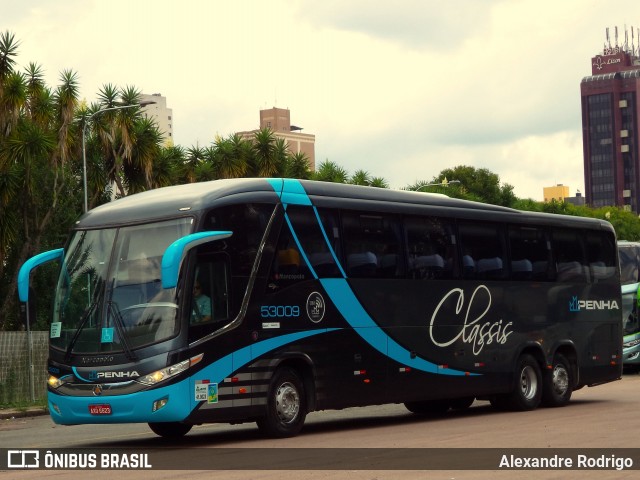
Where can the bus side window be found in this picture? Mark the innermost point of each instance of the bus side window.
(602, 263)
(530, 254)
(483, 250)
(372, 245)
(313, 238)
(571, 264)
(287, 266)
(430, 247)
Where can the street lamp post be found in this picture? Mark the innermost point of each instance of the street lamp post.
(444, 183)
(84, 145)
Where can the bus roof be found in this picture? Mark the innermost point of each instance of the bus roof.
(190, 199)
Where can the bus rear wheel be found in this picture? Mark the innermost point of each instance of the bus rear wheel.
(527, 393)
(286, 405)
(170, 429)
(557, 383)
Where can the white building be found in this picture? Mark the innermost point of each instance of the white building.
(162, 115)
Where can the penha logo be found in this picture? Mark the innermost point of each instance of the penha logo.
(577, 305)
(93, 375)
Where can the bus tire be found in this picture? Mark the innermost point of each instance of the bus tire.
(170, 430)
(557, 383)
(286, 405)
(428, 407)
(528, 391)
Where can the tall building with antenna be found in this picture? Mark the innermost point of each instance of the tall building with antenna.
(611, 124)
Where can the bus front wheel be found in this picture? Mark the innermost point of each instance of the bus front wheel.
(286, 405)
(557, 382)
(170, 429)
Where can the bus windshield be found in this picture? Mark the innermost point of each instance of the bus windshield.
(109, 297)
(629, 253)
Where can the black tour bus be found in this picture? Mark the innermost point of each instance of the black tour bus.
(265, 299)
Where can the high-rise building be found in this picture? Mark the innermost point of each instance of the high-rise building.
(611, 124)
(278, 120)
(157, 109)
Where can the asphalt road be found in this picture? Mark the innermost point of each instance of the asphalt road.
(603, 417)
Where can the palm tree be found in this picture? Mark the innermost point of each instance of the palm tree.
(146, 139)
(194, 156)
(265, 160)
(298, 166)
(35, 145)
(280, 156)
(115, 127)
(361, 177)
(231, 156)
(379, 182)
(331, 172)
(166, 167)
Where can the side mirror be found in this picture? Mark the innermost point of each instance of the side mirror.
(29, 265)
(175, 253)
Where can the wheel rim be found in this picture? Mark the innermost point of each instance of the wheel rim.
(560, 380)
(528, 382)
(287, 402)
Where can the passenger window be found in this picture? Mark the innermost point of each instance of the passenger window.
(288, 265)
(530, 254)
(430, 247)
(600, 255)
(571, 265)
(372, 245)
(482, 250)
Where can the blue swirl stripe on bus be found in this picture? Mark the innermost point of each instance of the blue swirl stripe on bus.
(343, 297)
(135, 407)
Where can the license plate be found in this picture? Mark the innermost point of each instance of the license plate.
(103, 409)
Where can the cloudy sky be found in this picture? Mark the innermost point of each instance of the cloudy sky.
(402, 89)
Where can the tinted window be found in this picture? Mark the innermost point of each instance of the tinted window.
(430, 247)
(372, 245)
(530, 254)
(629, 262)
(482, 250)
(248, 223)
(571, 264)
(601, 255)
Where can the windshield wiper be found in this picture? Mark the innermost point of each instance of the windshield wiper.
(83, 322)
(119, 323)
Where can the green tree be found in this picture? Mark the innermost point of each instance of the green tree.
(39, 185)
(231, 156)
(360, 177)
(329, 171)
(265, 162)
(298, 166)
(472, 184)
(379, 182)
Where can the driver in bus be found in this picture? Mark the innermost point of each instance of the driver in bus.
(202, 310)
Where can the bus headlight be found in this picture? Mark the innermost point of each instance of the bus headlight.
(55, 382)
(632, 343)
(165, 373)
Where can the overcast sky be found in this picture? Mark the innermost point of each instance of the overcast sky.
(402, 89)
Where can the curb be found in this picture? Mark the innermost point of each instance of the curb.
(11, 414)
